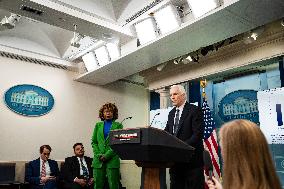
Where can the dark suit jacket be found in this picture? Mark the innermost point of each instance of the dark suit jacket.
(190, 130)
(32, 175)
(71, 170)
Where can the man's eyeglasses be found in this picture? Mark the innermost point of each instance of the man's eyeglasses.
(82, 148)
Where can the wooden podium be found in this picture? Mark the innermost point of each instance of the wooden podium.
(150, 148)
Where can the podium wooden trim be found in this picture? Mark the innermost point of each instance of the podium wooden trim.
(151, 174)
(151, 178)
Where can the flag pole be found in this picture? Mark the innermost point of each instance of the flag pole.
(210, 141)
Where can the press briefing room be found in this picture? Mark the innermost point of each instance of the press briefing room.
(148, 94)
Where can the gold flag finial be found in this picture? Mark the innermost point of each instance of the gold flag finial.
(203, 84)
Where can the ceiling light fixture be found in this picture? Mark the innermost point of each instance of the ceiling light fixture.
(186, 61)
(189, 58)
(180, 10)
(282, 22)
(90, 61)
(201, 7)
(9, 22)
(167, 19)
(257, 32)
(248, 40)
(254, 35)
(177, 61)
(76, 38)
(204, 51)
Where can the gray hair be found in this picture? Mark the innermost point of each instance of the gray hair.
(180, 88)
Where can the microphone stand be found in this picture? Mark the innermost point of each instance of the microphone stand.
(154, 118)
(126, 119)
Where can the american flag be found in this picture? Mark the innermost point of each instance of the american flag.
(210, 138)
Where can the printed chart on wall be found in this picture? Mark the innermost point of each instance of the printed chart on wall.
(271, 109)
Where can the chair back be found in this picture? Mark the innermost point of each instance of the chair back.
(7, 173)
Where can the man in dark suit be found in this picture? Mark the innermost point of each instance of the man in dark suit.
(42, 173)
(77, 172)
(185, 121)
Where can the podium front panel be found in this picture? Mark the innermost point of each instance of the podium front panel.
(149, 145)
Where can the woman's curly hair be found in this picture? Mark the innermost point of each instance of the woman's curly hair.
(108, 106)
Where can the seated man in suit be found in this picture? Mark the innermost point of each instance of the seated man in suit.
(77, 172)
(42, 172)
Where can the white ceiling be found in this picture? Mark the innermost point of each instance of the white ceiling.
(48, 36)
(50, 33)
(229, 20)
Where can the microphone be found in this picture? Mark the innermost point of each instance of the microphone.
(154, 118)
(130, 117)
(208, 163)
